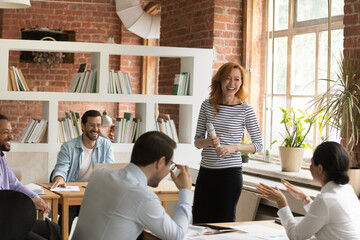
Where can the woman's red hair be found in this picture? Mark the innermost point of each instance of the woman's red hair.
(216, 92)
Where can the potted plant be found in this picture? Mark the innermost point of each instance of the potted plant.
(296, 129)
(341, 104)
(245, 155)
(267, 155)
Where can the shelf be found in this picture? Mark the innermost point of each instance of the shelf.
(198, 62)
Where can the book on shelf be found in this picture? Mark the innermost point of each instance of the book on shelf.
(181, 84)
(82, 67)
(10, 86)
(13, 80)
(16, 81)
(69, 127)
(119, 82)
(127, 129)
(34, 131)
(84, 82)
(167, 126)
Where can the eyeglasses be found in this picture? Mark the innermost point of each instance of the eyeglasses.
(173, 166)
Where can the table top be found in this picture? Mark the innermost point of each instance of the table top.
(165, 187)
(267, 223)
(48, 194)
(81, 185)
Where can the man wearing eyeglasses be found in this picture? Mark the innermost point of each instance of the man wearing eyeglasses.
(118, 204)
(76, 159)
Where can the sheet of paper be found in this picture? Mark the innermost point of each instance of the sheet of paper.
(35, 188)
(263, 232)
(67, 189)
(225, 236)
(257, 228)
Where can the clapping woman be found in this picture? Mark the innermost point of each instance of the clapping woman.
(335, 212)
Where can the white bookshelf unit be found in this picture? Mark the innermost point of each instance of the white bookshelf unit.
(196, 61)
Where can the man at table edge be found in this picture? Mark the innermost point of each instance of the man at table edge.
(8, 179)
(118, 204)
(76, 159)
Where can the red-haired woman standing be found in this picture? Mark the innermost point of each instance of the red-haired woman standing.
(219, 183)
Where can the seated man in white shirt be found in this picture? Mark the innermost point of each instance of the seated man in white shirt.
(119, 205)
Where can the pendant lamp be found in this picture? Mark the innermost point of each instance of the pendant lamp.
(15, 3)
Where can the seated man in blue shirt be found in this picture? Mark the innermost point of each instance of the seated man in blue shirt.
(8, 180)
(119, 205)
(76, 159)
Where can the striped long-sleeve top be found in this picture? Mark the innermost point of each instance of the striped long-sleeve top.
(230, 123)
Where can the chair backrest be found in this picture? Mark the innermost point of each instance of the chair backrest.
(17, 215)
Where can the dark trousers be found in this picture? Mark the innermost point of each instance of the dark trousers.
(41, 231)
(73, 213)
(217, 192)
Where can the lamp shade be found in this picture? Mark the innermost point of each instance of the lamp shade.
(106, 120)
(15, 3)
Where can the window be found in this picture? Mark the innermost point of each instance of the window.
(297, 58)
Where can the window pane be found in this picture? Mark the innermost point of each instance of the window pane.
(280, 65)
(300, 103)
(336, 50)
(311, 9)
(303, 64)
(281, 14)
(277, 128)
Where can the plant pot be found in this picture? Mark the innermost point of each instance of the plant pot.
(354, 175)
(291, 158)
(244, 158)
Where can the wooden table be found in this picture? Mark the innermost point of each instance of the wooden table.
(166, 191)
(268, 223)
(67, 199)
(52, 199)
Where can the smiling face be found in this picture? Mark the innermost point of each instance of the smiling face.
(92, 128)
(232, 83)
(5, 135)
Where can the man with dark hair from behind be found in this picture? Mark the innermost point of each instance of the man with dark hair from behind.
(76, 159)
(119, 205)
(8, 180)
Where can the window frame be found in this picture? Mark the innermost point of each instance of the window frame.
(294, 28)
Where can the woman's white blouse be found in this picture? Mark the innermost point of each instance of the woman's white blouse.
(334, 214)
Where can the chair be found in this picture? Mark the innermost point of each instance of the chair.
(17, 215)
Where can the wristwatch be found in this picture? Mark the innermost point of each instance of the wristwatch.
(307, 199)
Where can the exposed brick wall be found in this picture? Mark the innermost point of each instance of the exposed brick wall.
(228, 31)
(92, 21)
(184, 23)
(1, 22)
(199, 24)
(352, 29)
(352, 48)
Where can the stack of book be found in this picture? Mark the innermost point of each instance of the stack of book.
(127, 129)
(16, 80)
(182, 84)
(34, 131)
(119, 82)
(167, 126)
(84, 82)
(69, 126)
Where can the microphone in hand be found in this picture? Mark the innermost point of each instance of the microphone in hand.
(211, 131)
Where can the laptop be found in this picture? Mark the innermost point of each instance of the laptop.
(110, 165)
